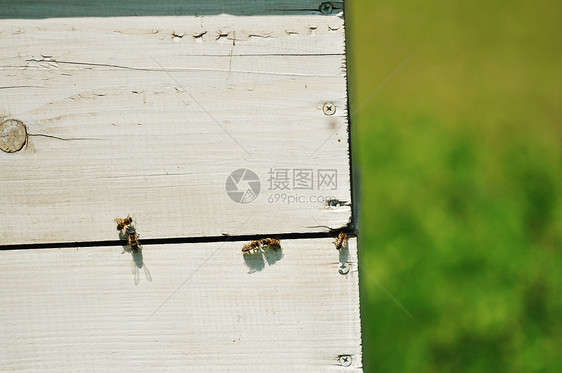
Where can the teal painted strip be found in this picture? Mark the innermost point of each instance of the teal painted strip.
(34, 9)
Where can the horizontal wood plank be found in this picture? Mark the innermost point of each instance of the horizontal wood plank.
(207, 308)
(149, 116)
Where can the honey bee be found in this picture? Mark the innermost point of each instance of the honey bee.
(274, 243)
(133, 238)
(122, 223)
(251, 247)
(341, 241)
(261, 245)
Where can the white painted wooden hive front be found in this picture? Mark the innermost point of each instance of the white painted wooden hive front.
(211, 125)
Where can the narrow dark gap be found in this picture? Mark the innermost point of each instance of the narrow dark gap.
(354, 173)
(163, 241)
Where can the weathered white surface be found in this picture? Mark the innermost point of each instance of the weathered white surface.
(79, 310)
(130, 140)
(148, 116)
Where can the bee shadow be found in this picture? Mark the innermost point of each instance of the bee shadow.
(273, 255)
(254, 261)
(344, 253)
(137, 262)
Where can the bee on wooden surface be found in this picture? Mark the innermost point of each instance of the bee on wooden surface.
(133, 239)
(274, 243)
(261, 245)
(341, 241)
(122, 223)
(251, 247)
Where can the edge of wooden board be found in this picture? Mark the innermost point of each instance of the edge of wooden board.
(109, 8)
(207, 307)
(106, 141)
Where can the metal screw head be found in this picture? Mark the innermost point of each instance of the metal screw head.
(344, 360)
(326, 8)
(329, 108)
(343, 268)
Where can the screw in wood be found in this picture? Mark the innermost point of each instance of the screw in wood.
(13, 135)
(329, 108)
(343, 268)
(326, 8)
(344, 360)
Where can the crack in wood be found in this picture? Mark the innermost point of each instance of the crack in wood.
(61, 138)
(22, 86)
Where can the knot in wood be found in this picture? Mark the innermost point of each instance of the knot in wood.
(13, 135)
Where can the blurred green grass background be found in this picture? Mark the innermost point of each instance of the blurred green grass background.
(461, 159)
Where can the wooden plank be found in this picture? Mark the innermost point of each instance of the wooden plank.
(149, 116)
(79, 309)
(110, 8)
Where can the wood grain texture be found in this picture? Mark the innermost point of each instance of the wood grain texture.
(79, 309)
(149, 115)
